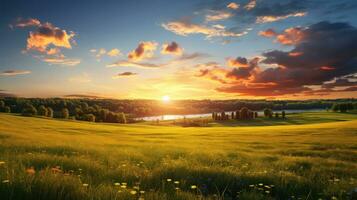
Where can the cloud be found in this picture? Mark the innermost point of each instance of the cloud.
(60, 60)
(250, 5)
(192, 56)
(217, 15)
(124, 74)
(267, 33)
(14, 72)
(83, 96)
(143, 51)
(325, 52)
(272, 18)
(114, 52)
(185, 28)
(22, 23)
(46, 35)
(233, 6)
(124, 63)
(172, 48)
(237, 62)
(82, 78)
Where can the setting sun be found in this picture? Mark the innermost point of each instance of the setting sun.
(165, 98)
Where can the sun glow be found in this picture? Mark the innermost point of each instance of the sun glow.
(165, 98)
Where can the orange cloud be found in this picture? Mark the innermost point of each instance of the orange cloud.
(46, 35)
(290, 36)
(327, 68)
(237, 62)
(124, 63)
(172, 48)
(272, 18)
(250, 5)
(294, 54)
(218, 15)
(114, 52)
(60, 61)
(233, 6)
(144, 50)
(267, 33)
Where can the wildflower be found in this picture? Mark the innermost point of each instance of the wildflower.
(333, 198)
(336, 180)
(142, 192)
(177, 182)
(267, 192)
(133, 192)
(123, 186)
(251, 186)
(123, 183)
(267, 186)
(6, 181)
(85, 184)
(136, 187)
(2, 162)
(169, 180)
(177, 188)
(260, 184)
(116, 184)
(193, 186)
(141, 198)
(30, 171)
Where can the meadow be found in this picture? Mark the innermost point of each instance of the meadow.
(306, 156)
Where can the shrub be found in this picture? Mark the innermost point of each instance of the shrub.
(42, 111)
(90, 117)
(7, 109)
(29, 110)
(244, 113)
(49, 112)
(65, 113)
(283, 114)
(268, 112)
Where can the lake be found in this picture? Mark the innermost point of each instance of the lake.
(172, 117)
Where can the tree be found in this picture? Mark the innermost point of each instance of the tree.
(335, 107)
(49, 112)
(90, 117)
(244, 113)
(65, 113)
(2, 104)
(283, 114)
(237, 114)
(232, 115)
(122, 118)
(7, 109)
(255, 114)
(42, 111)
(268, 112)
(29, 110)
(276, 115)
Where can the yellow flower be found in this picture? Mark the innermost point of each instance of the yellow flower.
(116, 184)
(85, 184)
(133, 192)
(177, 182)
(6, 181)
(142, 192)
(193, 186)
(2, 162)
(169, 180)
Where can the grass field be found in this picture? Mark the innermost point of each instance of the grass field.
(307, 156)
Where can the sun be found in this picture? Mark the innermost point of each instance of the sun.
(165, 98)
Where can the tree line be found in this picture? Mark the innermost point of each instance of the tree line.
(245, 114)
(344, 107)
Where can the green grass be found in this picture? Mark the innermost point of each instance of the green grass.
(313, 156)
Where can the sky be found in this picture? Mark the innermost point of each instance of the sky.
(194, 49)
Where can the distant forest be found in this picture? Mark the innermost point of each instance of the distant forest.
(122, 111)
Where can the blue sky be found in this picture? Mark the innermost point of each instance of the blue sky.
(124, 25)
